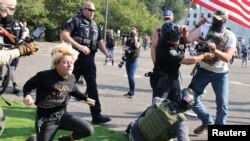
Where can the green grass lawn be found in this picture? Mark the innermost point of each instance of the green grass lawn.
(20, 124)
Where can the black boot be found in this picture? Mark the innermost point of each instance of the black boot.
(16, 90)
(100, 119)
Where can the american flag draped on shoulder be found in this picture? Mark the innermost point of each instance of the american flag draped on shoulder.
(239, 10)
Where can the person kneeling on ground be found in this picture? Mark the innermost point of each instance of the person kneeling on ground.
(53, 90)
(164, 120)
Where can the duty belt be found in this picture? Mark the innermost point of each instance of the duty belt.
(82, 41)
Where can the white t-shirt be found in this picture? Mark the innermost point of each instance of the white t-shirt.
(219, 66)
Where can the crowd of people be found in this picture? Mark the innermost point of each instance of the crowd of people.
(75, 57)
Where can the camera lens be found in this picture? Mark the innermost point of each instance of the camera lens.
(132, 34)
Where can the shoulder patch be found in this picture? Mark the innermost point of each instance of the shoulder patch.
(70, 20)
(173, 52)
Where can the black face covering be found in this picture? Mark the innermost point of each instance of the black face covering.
(9, 19)
(217, 25)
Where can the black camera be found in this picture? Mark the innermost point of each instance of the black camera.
(202, 46)
(124, 58)
(132, 34)
(149, 74)
(35, 35)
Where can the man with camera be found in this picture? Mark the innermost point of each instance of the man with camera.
(132, 51)
(221, 43)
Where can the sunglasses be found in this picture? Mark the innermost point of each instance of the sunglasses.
(91, 10)
(5, 6)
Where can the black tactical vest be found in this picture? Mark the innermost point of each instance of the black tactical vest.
(85, 33)
(14, 28)
(220, 41)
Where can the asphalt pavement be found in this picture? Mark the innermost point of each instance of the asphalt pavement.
(113, 84)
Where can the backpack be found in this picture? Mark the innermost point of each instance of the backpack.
(156, 122)
(110, 41)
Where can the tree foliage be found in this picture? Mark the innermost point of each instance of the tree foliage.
(122, 14)
(177, 6)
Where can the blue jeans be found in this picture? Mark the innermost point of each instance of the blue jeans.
(219, 82)
(111, 51)
(131, 66)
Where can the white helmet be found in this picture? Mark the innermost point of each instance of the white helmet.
(7, 7)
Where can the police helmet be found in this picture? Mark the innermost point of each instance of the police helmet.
(186, 98)
(170, 32)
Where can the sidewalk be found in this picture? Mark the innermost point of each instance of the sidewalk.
(113, 84)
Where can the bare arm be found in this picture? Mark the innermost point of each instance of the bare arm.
(188, 60)
(225, 55)
(193, 36)
(194, 33)
(154, 44)
(137, 42)
(202, 21)
(103, 48)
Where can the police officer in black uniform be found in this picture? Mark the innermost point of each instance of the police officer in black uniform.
(84, 34)
(169, 57)
(16, 28)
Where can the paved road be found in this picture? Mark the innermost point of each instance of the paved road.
(113, 84)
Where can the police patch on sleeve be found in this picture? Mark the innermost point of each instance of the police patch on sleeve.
(70, 20)
(173, 52)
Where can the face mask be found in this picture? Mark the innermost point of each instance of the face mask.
(217, 25)
(8, 19)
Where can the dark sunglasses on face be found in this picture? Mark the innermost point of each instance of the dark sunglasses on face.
(5, 6)
(91, 10)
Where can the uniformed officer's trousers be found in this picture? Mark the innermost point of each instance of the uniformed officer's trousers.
(85, 65)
